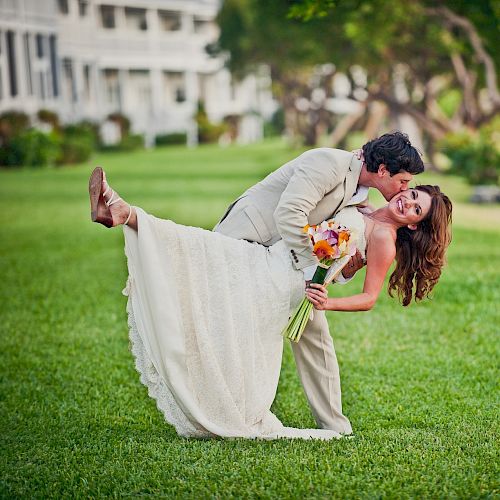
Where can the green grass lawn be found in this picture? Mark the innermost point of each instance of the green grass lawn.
(420, 384)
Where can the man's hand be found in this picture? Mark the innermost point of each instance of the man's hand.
(354, 265)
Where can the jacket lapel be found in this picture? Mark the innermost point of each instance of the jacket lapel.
(351, 180)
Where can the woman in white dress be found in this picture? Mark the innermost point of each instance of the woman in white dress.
(206, 311)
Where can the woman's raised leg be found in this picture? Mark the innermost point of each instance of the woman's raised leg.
(107, 207)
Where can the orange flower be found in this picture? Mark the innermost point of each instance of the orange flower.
(306, 228)
(322, 249)
(343, 236)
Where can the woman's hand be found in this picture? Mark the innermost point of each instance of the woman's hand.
(318, 295)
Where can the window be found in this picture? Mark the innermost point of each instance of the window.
(108, 16)
(53, 65)
(112, 86)
(204, 86)
(82, 7)
(39, 46)
(63, 6)
(136, 18)
(139, 94)
(175, 87)
(169, 20)
(11, 62)
(69, 80)
(86, 82)
(27, 59)
(41, 84)
(180, 94)
(202, 26)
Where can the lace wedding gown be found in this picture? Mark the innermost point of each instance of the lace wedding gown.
(205, 318)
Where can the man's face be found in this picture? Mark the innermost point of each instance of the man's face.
(390, 186)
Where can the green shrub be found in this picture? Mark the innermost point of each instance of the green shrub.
(175, 138)
(31, 148)
(74, 150)
(47, 116)
(276, 126)
(130, 142)
(122, 121)
(208, 132)
(474, 156)
(449, 101)
(12, 123)
(78, 141)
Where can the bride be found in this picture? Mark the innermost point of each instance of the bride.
(206, 311)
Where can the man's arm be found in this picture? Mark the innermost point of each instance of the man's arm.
(352, 267)
(317, 174)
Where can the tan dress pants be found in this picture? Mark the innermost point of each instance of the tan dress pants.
(318, 370)
(314, 354)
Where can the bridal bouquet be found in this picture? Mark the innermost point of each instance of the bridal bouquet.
(333, 245)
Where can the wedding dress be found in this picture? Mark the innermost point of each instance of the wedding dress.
(205, 318)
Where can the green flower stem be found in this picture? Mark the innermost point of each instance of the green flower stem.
(319, 275)
(298, 321)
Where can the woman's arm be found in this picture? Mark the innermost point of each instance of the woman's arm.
(380, 254)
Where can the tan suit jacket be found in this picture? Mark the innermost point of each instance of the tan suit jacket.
(307, 190)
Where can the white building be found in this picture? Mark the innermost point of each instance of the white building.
(85, 59)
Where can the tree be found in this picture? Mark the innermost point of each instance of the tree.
(435, 61)
(432, 61)
(258, 31)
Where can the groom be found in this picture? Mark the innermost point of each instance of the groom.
(308, 190)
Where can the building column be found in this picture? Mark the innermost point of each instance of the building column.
(123, 87)
(153, 33)
(22, 91)
(192, 96)
(72, 11)
(187, 23)
(120, 19)
(99, 90)
(78, 78)
(157, 101)
(153, 23)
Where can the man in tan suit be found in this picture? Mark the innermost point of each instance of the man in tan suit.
(308, 190)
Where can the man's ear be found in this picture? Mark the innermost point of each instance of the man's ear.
(412, 226)
(382, 170)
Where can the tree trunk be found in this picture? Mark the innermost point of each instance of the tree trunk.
(377, 114)
(345, 125)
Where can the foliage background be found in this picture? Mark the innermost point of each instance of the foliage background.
(426, 67)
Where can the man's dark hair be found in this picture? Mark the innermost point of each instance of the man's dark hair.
(395, 151)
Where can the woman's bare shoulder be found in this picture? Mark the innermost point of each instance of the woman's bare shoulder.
(382, 241)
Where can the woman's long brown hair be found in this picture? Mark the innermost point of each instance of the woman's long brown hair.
(420, 253)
